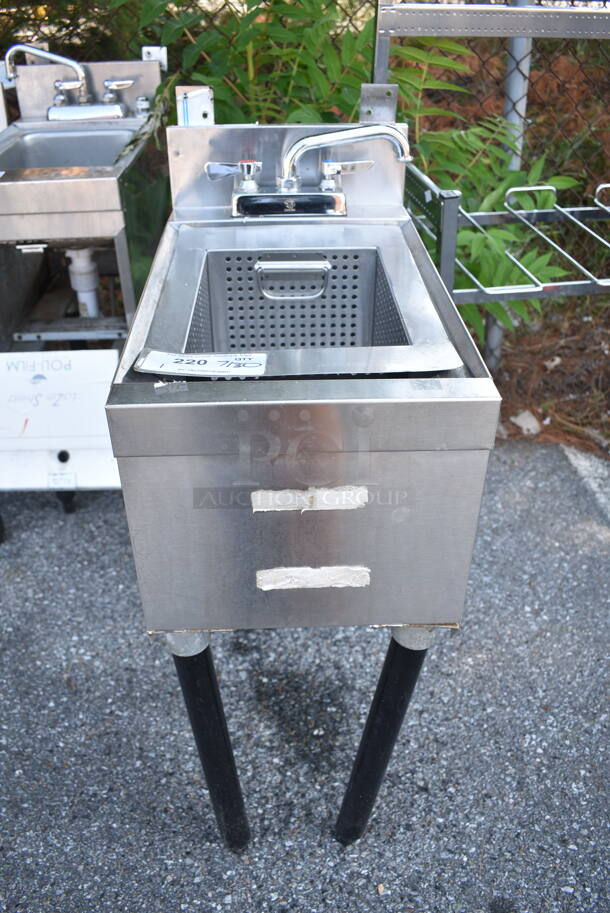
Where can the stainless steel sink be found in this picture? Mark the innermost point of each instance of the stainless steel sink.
(62, 180)
(63, 148)
(59, 182)
(239, 489)
(315, 299)
(66, 181)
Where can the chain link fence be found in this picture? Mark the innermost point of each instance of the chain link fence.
(566, 85)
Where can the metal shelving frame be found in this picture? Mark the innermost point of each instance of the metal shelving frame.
(439, 213)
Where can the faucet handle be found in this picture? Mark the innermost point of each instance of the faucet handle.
(114, 85)
(216, 171)
(247, 168)
(332, 170)
(64, 85)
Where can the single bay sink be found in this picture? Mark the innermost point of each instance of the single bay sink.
(62, 181)
(310, 300)
(64, 149)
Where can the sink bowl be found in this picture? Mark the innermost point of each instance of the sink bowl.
(64, 149)
(62, 181)
(314, 300)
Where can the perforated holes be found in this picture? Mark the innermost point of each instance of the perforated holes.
(314, 320)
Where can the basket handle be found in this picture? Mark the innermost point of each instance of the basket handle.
(265, 269)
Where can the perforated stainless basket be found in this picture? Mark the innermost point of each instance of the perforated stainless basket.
(294, 299)
(337, 309)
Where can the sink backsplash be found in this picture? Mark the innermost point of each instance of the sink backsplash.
(379, 190)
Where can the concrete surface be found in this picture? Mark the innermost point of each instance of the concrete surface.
(494, 799)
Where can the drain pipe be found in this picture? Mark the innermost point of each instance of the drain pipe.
(84, 280)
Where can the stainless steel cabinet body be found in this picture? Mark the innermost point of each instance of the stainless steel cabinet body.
(403, 453)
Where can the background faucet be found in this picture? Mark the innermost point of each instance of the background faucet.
(81, 78)
(290, 161)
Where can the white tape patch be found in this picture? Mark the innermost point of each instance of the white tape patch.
(344, 497)
(297, 578)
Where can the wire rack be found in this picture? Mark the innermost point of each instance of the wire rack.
(575, 235)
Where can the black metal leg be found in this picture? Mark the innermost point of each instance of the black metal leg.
(203, 702)
(394, 689)
(67, 501)
(2, 530)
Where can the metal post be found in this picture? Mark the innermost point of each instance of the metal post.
(447, 244)
(494, 335)
(195, 667)
(125, 278)
(516, 87)
(381, 52)
(403, 662)
(66, 499)
(381, 68)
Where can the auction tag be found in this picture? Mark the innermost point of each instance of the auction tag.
(250, 364)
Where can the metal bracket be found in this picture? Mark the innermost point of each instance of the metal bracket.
(154, 52)
(378, 103)
(195, 106)
(480, 20)
(497, 20)
(187, 643)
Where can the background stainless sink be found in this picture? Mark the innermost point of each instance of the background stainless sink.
(63, 181)
(63, 149)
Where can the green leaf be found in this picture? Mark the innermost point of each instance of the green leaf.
(319, 80)
(500, 313)
(348, 48)
(306, 114)
(472, 315)
(562, 182)
(445, 44)
(190, 56)
(502, 234)
(170, 32)
(535, 171)
(522, 309)
(151, 10)
(441, 112)
(332, 62)
(433, 60)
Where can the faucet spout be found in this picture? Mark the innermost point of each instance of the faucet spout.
(11, 70)
(359, 134)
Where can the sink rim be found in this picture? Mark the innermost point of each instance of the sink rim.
(19, 130)
(429, 348)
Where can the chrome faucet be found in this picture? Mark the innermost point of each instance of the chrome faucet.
(291, 158)
(80, 83)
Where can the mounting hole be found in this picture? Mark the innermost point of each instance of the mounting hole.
(63, 456)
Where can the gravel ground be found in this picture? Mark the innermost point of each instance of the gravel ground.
(493, 802)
